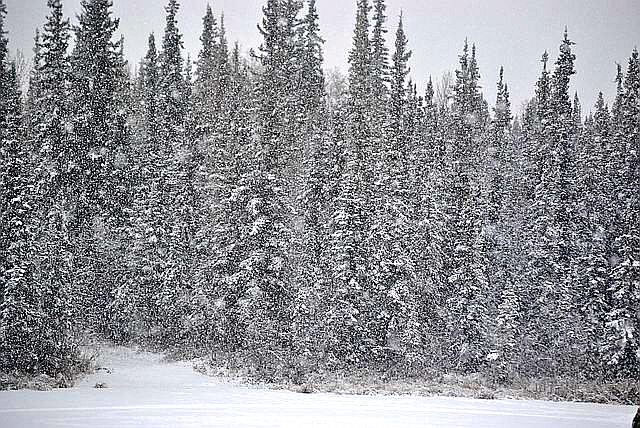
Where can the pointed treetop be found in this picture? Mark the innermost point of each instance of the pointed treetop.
(360, 56)
(379, 19)
(36, 47)
(566, 38)
(152, 42)
(150, 59)
(235, 59)
(3, 39)
(399, 74)
(429, 92)
(601, 118)
(222, 39)
(172, 44)
(502, 109)
(619, 78)
(148, 70)
(379, 50)
(54, 41)
(561, 79)
(209, 34)
(312, 28)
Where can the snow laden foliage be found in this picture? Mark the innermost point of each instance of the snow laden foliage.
(300, 221)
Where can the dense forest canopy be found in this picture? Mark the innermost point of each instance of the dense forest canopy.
(258, 206)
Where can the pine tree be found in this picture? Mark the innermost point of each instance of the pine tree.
(134, 297)
(393, 269)
(623, 346)
(577, 111)
(172, 85)
(595, 215)
(349, 223)
(496, 155)
(421, 338)
(552, 239)
(229, 190)
(502, 110)
(398, 94)
(563, 194)
(501, 219)
(34, 340)
(150, 79)
(23, 345)
(207, 89)
(97, 192)
(539, 215)
(380, 73)
(266, 267)
(53, 144)
(465, 254)
(178, 199)
(310, 307)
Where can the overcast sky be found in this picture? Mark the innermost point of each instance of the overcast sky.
(512, 33)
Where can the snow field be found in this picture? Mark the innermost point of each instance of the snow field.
(144, 391)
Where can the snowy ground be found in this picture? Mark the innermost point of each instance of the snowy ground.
(143, 391)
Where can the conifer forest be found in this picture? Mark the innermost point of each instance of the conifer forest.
(254, 207)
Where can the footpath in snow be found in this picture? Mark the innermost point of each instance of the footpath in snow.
(144, 391)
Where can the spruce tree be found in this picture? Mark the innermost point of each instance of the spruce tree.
(594, 185)
(171, 103)
(539, 214)
(149, 79)
(468, 318)
(393, 269)
(501, 221)
(310, 307)
(23, 329)
(349, 219)
(98, 191)
(266, 267)
(563, 194)
(225, 229)
(380, 73)
(207, 90)
(134, 297)
(623, 346)
(35, 340)
(176, 235)
(53, 143)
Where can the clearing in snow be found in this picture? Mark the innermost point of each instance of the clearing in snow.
(141, 390)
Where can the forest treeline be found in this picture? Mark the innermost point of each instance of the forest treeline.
(253, 206)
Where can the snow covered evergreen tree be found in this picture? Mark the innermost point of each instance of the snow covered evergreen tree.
(209, 85)
(351, 301)
(623, 347)
(312, 276)
(468, 317)
(393, 271)
(97, 188)
(178, 199)
(266, 267)
(133, 298)
(594, 216)
(35, 339)
(22, 344)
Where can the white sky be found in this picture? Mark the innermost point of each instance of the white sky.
(512, 33)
